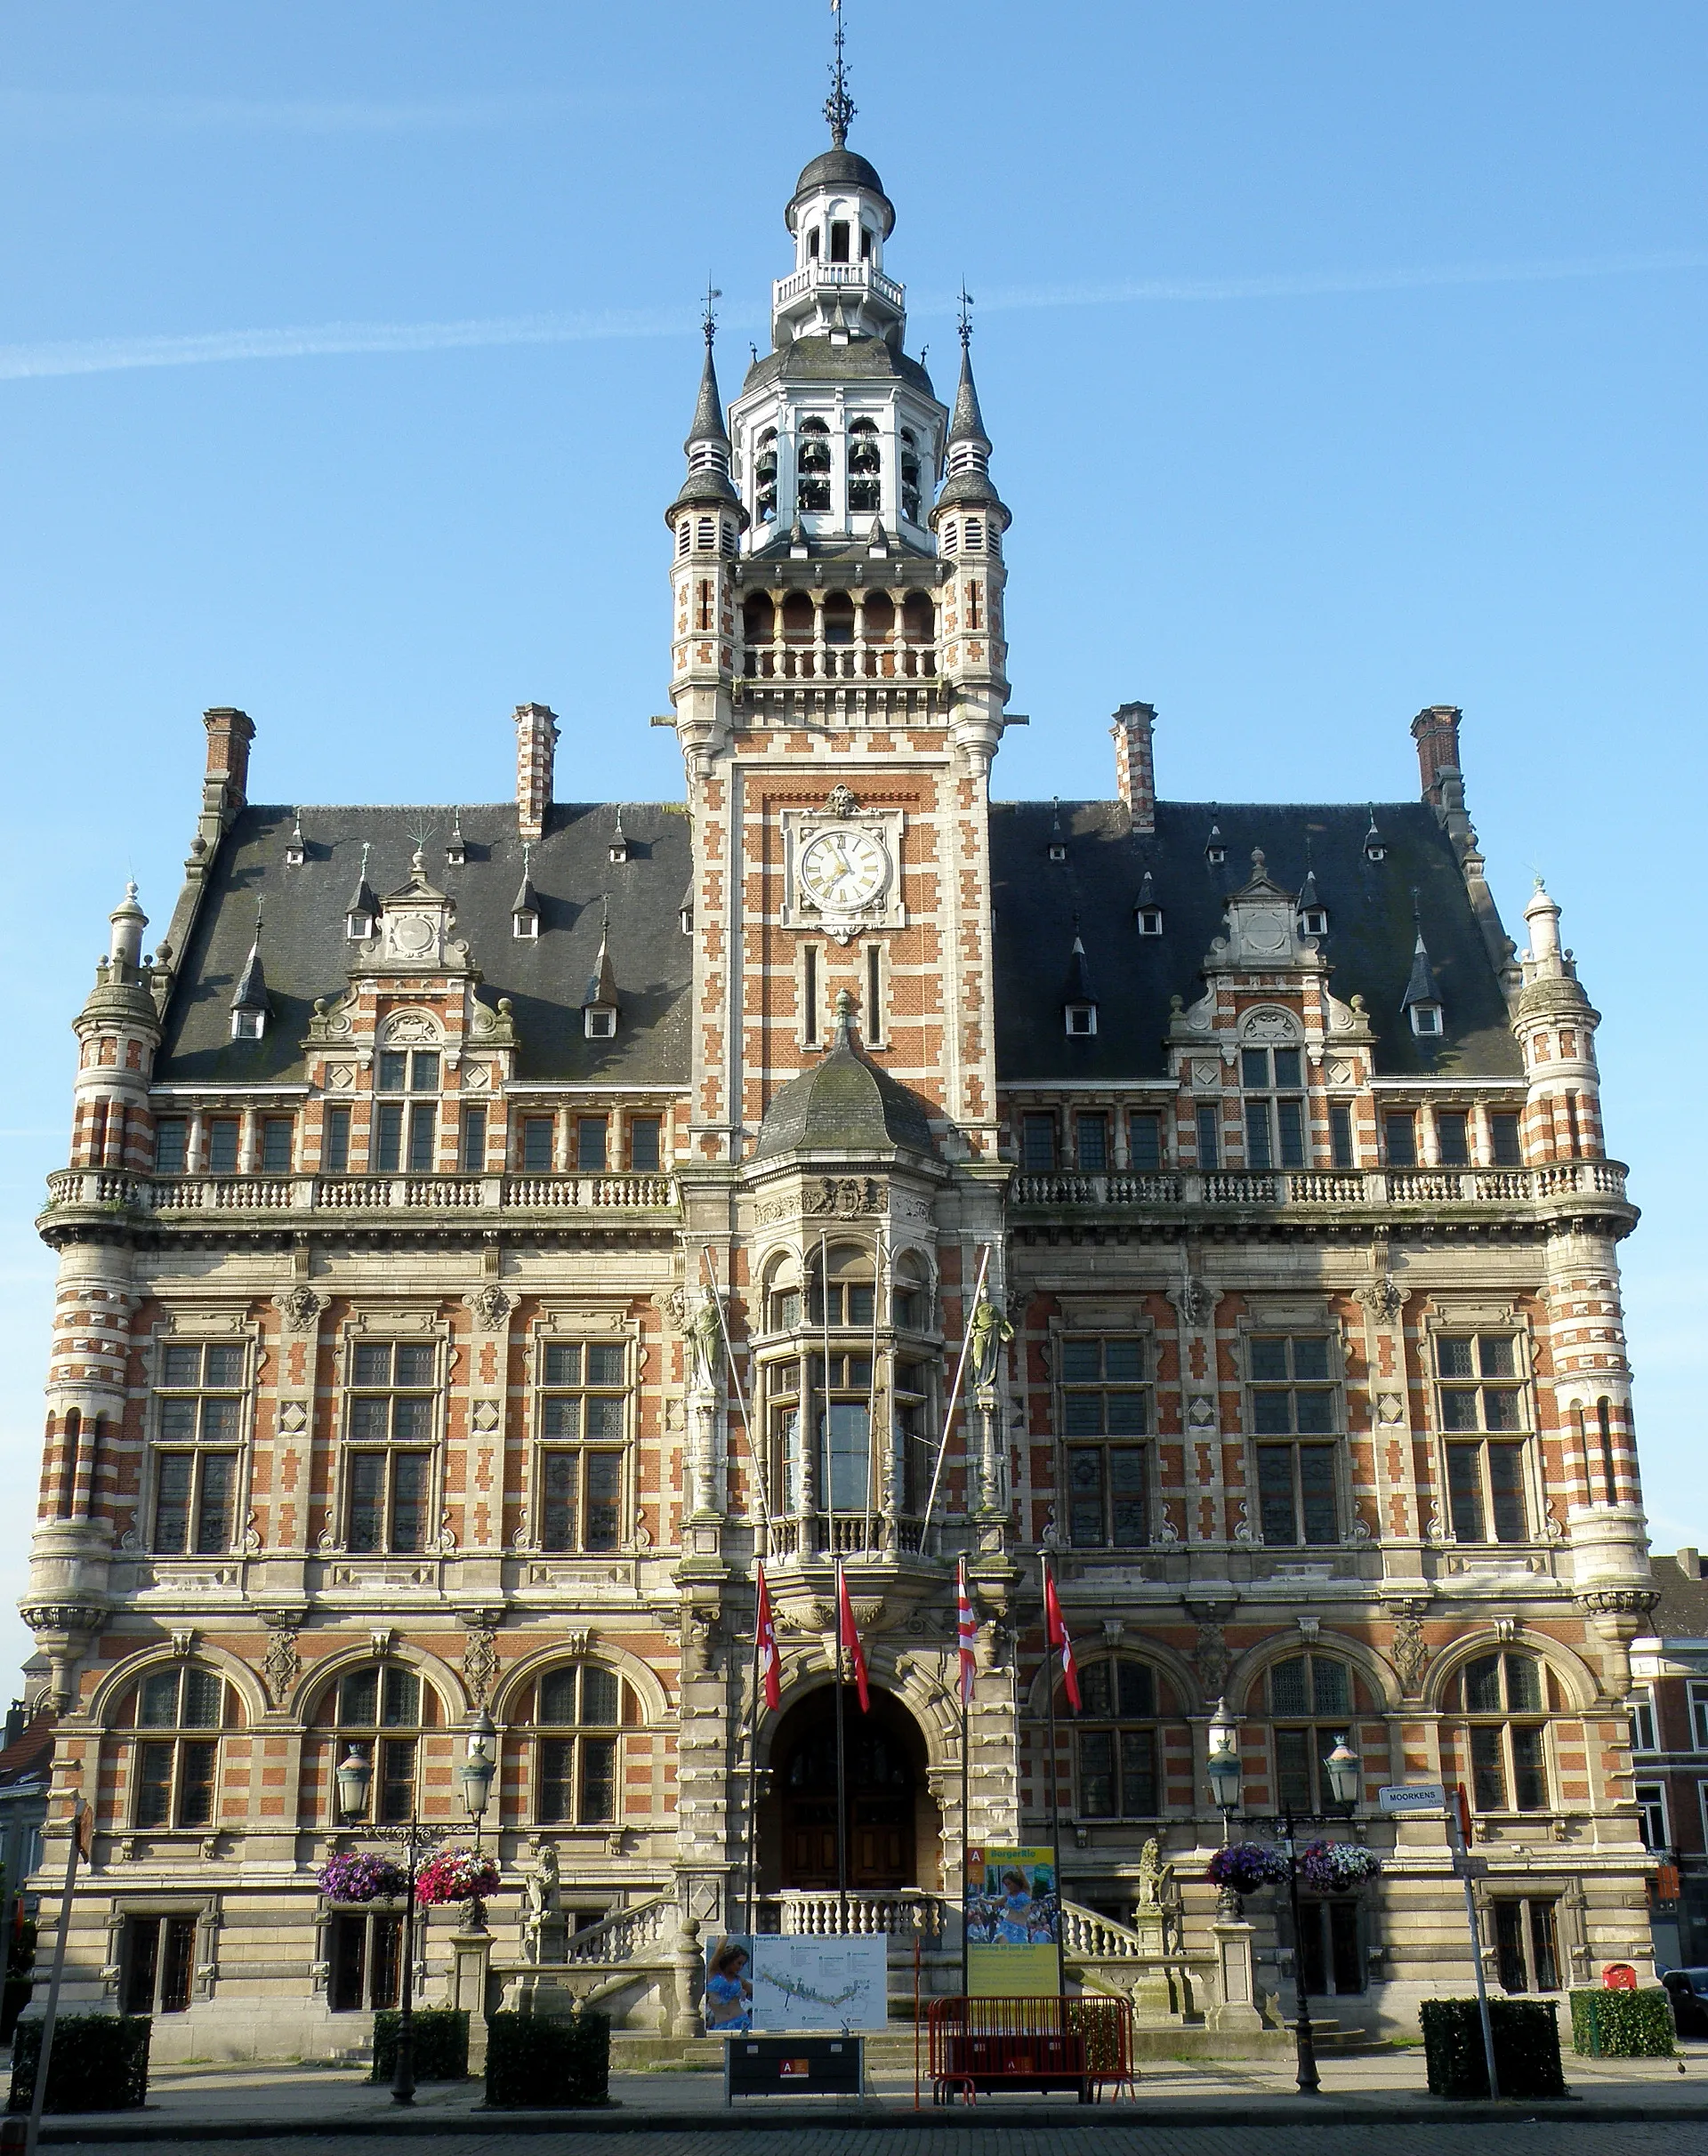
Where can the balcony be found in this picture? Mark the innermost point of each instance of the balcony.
(255, 1199)
(788, 660)
(839, 278)
(1315, 1190)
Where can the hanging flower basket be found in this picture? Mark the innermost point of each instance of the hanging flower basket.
(1332, 1867)
(353, 1875)
(456, 1875)
(1243, 1867)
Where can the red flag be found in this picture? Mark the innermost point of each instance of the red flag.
(967, 1629)
(765, 1634)
(850, 1636)
(1056, 1629)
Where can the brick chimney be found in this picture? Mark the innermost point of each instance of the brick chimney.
(537, 740)
(1436, 732)
(225, 784)
(1135, 770)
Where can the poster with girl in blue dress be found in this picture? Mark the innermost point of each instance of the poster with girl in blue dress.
(1014, 1918)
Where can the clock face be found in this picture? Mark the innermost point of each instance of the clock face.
(841, 871)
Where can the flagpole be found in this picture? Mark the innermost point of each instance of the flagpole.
(841, 1770)
(966, 1834)
(753, 1768)
(1052, 1664)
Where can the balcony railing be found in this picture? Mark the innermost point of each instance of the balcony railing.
(109, 1190)
(837, 276)
(1313, 1187)
(785, 660)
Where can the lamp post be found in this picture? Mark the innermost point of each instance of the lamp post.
(355, 1779)
(1342, 1770)
(474, 1778)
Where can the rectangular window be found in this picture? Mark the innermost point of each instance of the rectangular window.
(1092, 1142)
(1038, 1143)
(1145, 1138)
(1399, 1135)
(171, 1145)
(1105, 1398)
(223, 1134)
(874, 993)
(1209, 1122)
(1651, 1814)
(1275, 1127)
(1504, 1140)
(538, 1136)
(1340, 1135)
(1295, 1485)
(422, 1130)
(193, 1503)
(159, 1963)
(809, 994)
(584, 1426)
(646, 1145)
(1117, 1773)
(1527, 1951)
(392, 1419)
(275, 1144)
(1698, 1693)
(1453, 1138)
(1293, 1391)
(1480, 1387)
(589, 1144)
(388, 1137)
(335, 1142)
(472, 1153)
(1641, 1707)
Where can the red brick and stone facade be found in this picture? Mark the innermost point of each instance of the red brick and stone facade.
(473, 1222)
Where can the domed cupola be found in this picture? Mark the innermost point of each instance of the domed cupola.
(845, 1104)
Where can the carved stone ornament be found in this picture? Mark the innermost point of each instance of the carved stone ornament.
(444, 1540)
(1384, 1299)
(1244, 1533)
(382, 1641)
(480, 1663)
(486, 1416)
(1201, 1413)
(253, 1544)
(1411, 1656)
(495, 1028)
(491, 1307)
(576, 1645)
(1194, 1301)
(281, 1664)
(1167, 1534)
(1390, 1409)
(1210, 1660)
(841, 800)
(301, 1306)
(1616, 1601)
(294, 1418)
(843, 1197)
(412, 1029)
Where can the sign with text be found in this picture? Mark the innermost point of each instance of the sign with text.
(1402, 1796)
(785, 1981)
(1014, 1918)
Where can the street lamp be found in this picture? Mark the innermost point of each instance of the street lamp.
(1343, 1771)
(355, 1778)
(474, 1778)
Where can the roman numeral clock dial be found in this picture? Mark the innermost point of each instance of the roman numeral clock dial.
(843, 872)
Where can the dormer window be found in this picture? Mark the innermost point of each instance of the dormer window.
(687, 918)
(1080, 1020)
(1426, 1018)
(1150, 919)
(1057, 851)
(248, 1024)
(1314, 921)
(296, 851)
(619, 846)
(525, 923)
(358, 927)
(1215, 854)
(1375, 850)
(600, 1022)
(456, 853)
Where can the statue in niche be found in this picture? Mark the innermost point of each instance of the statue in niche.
(991, 1333)
(705, 1339)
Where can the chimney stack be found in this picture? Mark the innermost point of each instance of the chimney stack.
(1436, 732)
(1135, 770)
(225, 784)
(1689, 1563)
(537, 740)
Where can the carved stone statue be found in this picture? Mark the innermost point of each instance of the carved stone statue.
(991, 1333)
(705, 1341)
(542, 1921)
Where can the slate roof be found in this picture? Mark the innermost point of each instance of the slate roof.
(844, 1103)
(308, 954)
(817, 359)
(1682, 1611)
(1369, 944)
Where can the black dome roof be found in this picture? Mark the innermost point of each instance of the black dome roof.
(845, 1105)
(846, 168)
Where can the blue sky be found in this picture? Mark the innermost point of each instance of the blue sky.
(1338, 360)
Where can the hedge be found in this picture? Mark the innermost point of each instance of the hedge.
(1527, 2047)
(1623, 2024)
(536, 2061)
(100, 2062)
(441, 2044)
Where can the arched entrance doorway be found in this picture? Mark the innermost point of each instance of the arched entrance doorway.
(891, 1824)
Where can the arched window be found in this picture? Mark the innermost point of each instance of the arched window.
(865, 467)
(812, 465)
(1504, 1699)
(1311, 1699)
(758, 619)
(798, 623)
(910, 498)
(848, 1270)
(839, 241)
(580, 1712)
(867, 237)
(918, 619)
(878, 617)
(812, 243)
(839, 618)
(172, 1719)
(765, 476)
(910, 1295)
(381, 1710)
(1116, 1748)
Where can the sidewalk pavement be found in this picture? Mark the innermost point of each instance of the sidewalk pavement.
(273, 2102)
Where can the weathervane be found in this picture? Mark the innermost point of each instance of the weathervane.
(966, 316)
(839, 106)
(709, 318)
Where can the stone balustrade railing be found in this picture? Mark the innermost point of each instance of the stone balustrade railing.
(111, 1190)
(1141, 1189)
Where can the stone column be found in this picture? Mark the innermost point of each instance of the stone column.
(1235, 2006)
(470, 1973)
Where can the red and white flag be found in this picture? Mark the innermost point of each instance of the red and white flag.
(849, 1634)
(966, 1629)
(1056, 1629)
(765, 1634)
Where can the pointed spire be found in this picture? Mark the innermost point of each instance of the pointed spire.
(1422, 998)
(599, 1006)
(295, 848)
(1079, 972)
(968, 446)
(619, 846)
(527, 898)
(707, 443)
(249, 1004)
(456, 851)
(364, 908)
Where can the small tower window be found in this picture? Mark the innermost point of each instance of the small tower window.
(706, 536)
(909, 475)
(951, 536)
(1426, 1017)
(1314, 921)
(765, 478)
(813, 493)
(975, 535)
(839, 242)
(865, 467)
(1080, 1019)
(684, 536)
(1150, 920)
(703, 604)
(812, 244)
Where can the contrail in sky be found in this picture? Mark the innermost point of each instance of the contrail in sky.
(110, 355)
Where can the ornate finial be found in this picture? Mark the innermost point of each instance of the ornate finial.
(966, 316)
(367, 849)
(709, 316)
(1417, 909)
(839, 106)
(844, 1018)
(527, 848)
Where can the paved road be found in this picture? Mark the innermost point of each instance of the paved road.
(1514, 2137)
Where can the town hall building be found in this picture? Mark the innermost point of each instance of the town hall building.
(489, 1233)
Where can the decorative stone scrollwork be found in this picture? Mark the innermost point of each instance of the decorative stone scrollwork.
(301, 1307)
(1244, 1533)
(843, 1197)
(1210, 1660)
(281, 1664)
(1411, 1655)
(480, 1663)
(491, 1308)
(1616, 1601)
(445, 1543)
(1384, 1299)
(251, 1541)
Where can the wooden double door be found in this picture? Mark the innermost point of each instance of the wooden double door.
(882, 1776)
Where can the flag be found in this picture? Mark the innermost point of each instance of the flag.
(849, 1635)
(1056, 1629)
(765, 1636)
(967, 1629)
